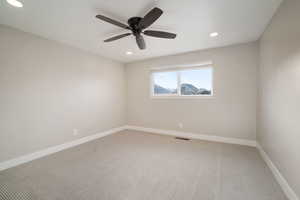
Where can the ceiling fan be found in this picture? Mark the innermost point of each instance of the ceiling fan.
(137, 25)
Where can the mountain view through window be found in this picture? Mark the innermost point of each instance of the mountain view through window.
(189, 82)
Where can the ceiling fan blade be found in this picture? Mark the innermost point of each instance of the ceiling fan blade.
(160, 34)
(117, 37)
(150, 17)
(112, 21)
(140, 41)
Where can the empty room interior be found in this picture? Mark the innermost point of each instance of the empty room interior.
(149, 100)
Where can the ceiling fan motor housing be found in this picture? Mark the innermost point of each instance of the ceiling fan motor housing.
(133, 22)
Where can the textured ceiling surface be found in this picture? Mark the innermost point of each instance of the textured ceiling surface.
(73, 22)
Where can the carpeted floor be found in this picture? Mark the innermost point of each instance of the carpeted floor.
(138, 166)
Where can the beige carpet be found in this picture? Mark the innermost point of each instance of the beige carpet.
(138, 166)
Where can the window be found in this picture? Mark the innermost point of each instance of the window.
(165, 83)
(183, 82)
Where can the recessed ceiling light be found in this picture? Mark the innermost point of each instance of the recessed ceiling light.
(214, 34)
(129, 53)
(15, 3)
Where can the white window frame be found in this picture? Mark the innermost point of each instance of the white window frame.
(178, 71)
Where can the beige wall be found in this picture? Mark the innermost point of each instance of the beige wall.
(48, 89)
(279, 95)
(231, 113)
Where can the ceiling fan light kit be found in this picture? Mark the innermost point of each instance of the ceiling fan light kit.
(137, 26)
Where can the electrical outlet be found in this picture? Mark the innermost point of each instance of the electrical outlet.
(75, 131)
(180, 125)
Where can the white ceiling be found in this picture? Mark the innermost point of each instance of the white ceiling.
(73, 22)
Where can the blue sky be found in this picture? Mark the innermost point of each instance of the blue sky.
(200, 78)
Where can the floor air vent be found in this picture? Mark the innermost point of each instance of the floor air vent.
(180, 138)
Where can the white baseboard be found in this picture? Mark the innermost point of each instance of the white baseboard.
(212, 138)
(29, 157)
(289, 192)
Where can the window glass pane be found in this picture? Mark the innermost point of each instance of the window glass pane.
(196, 81)
(165, 83)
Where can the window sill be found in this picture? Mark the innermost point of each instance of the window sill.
(182, 97)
